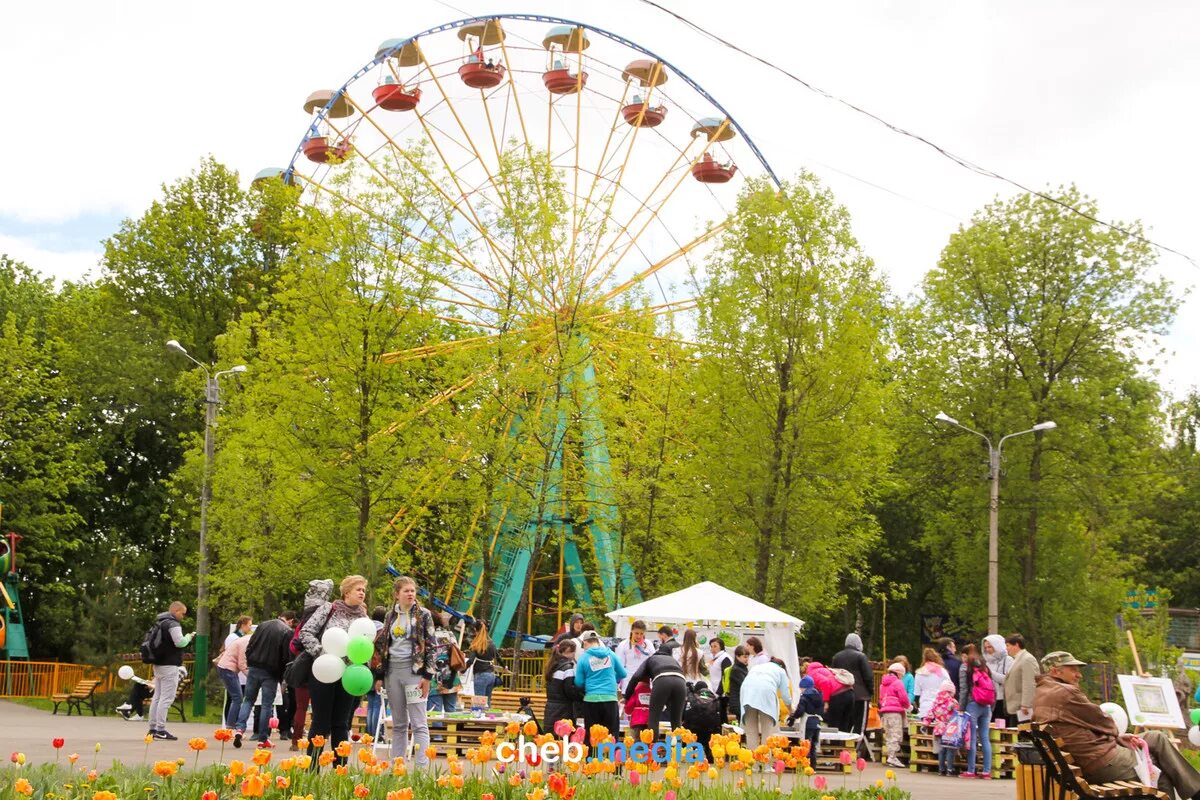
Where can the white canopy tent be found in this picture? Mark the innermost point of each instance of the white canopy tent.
(712, 610)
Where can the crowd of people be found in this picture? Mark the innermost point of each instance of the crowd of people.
(418, 666)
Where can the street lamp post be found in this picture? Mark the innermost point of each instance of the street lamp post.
(212, 398)
(993, 587)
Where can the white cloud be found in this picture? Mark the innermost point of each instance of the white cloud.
(62, 266)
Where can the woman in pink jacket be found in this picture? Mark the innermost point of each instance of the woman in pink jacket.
(893, 704)
(838, 696)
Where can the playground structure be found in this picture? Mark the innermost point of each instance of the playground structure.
(552, 182)
(13, 644)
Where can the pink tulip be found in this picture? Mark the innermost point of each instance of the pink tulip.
(670, 795)
(635, 778)
(845, 758)
(819, 783)
(861, 764)
(563, 727)
(779, 765)
(274, 723)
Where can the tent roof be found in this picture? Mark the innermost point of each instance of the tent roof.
(705, 600)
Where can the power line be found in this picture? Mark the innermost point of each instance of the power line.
(961, 161)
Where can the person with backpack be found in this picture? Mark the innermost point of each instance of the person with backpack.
(266, 655)
(443, 692)
(852, 659)
(332, 705)
(893, 705)
(319, 592)
(731, 682)
(942, 711)
(702, 714)
(760, 693)
(837, 689)
(980, 693)
(163, 647)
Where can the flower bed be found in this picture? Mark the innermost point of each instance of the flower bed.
(353, 771)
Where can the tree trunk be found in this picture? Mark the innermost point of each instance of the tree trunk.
(768, 529)
(1033, 605)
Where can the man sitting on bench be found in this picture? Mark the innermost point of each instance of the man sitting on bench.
(1091, 737)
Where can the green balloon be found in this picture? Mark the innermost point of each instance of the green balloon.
(1196, 716)
(356, 680)
(359, 650)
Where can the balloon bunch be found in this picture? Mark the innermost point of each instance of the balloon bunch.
(340, 646)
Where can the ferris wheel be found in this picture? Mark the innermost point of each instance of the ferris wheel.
(557, 185)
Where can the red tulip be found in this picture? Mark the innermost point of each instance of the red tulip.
(58, 743)
(209, 795)
(819, 783)
(861, 764)
(635, 778)
(274, 723)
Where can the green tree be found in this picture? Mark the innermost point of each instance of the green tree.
(1034, 313)
(790, 399)
(43, 460)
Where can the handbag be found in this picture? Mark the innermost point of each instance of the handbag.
(456, 660)
(299, 669)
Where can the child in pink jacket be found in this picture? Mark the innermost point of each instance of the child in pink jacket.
(638, 708)
(944, 707)
(893, 704)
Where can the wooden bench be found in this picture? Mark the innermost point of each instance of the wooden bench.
(83, 694)
(510, 702)
(1067, 778)
(182, 695)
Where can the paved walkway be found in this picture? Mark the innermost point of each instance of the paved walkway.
(30, 731)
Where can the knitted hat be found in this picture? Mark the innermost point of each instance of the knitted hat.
(318, 592)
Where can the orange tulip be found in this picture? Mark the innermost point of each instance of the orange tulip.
(318, 741)
(24, 787)
(361, 791)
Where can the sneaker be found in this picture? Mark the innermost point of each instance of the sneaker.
(165, 736)
(987, 776)
(966, 774)
(294, 747)
(237, 739)
(124, 707)
(136, 717)
(895, 762)
(265, 744)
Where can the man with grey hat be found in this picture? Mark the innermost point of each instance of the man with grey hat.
(1091, 737)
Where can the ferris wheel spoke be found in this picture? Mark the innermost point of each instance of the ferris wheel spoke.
(437, 187)
(655, 267)
(587, 203)
(413, 265)
(654, 213)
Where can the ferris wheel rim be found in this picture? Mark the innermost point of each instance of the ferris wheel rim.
(382, 55)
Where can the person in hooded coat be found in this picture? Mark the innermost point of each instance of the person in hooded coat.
(852, 659)
(999, 662)
(808, 708)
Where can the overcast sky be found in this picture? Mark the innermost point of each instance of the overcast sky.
(109, 100)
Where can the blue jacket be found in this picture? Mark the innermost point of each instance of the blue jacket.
(598, 671)
(762, 687)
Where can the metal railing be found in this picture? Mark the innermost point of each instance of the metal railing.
(45, 678)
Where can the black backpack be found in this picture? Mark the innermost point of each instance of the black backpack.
(702, 713)
(152, 643)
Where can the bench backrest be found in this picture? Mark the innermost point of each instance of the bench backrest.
(1068, 776)
(86, 686)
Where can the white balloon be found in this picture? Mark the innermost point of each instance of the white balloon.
(1118, 715)
(328, 668)
(334, 642)
(363, 627)
(125, 672)
(1194, 735)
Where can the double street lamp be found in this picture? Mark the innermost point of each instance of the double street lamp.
(211, 400)
(994, 511)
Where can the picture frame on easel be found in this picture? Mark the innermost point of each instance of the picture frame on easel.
(1151, 702)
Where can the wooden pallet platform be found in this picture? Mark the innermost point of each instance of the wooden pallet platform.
(922, 757)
